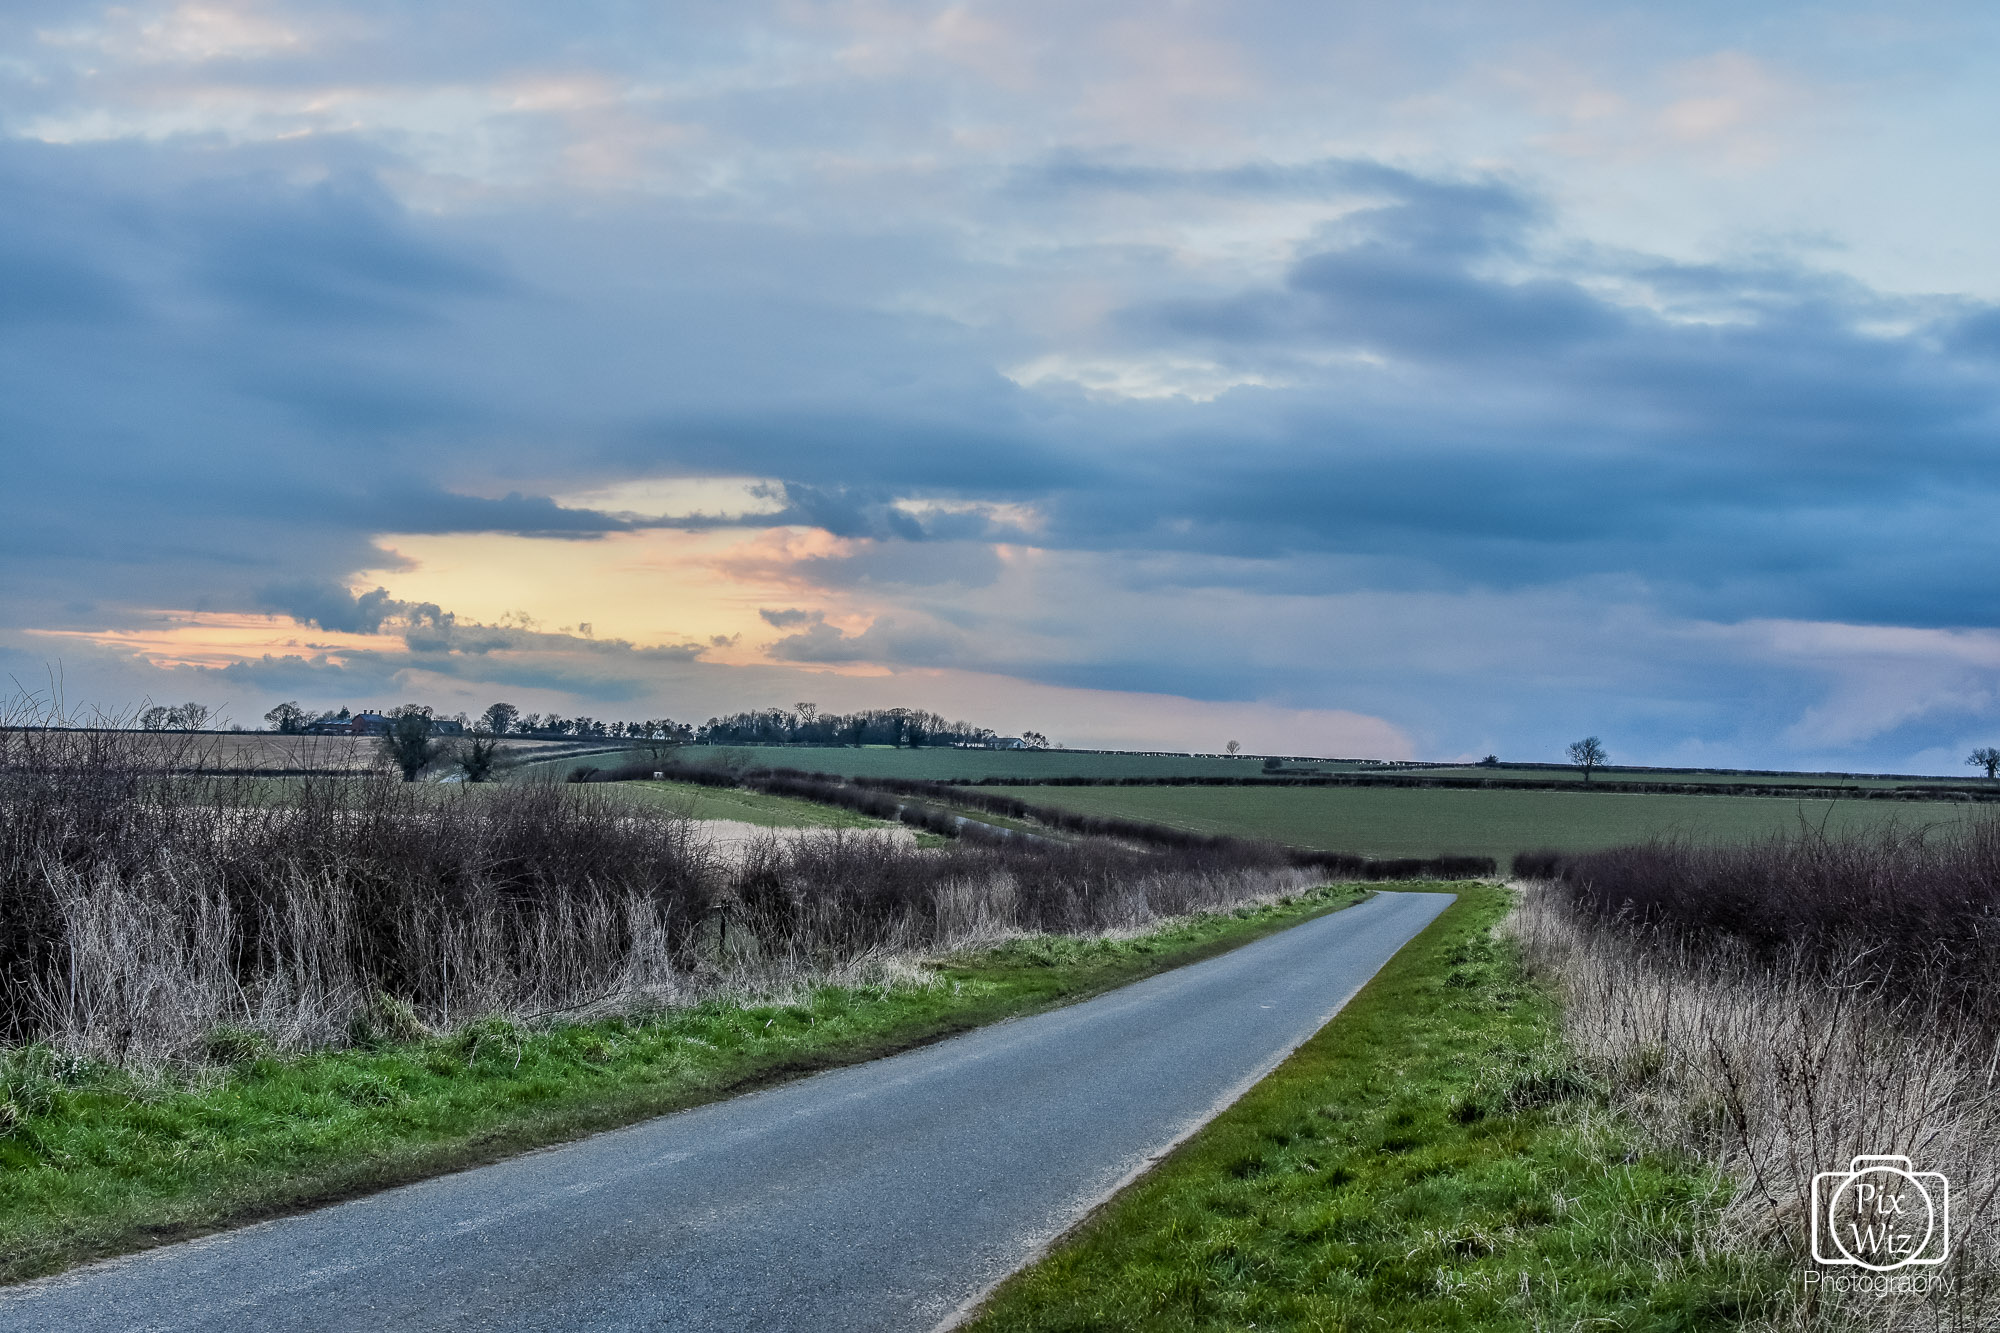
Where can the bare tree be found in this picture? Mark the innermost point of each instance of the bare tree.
(498, 718)
(1233, 748)
(189, 716)
(807, 712)
(1587, 754)
(662, 737)
(1985, 757)
(288, 718)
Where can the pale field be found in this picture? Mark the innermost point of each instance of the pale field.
(270, 752)
(731, 840)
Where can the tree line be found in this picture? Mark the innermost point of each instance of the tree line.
(189, 716)
(803, 724)
(500, 719)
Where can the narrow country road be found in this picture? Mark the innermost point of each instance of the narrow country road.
(878, 1197)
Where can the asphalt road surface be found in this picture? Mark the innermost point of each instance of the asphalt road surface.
(883, 1196)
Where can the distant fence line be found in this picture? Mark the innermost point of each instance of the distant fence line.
(1778, 789)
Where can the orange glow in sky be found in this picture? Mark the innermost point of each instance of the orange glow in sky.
(655, 586)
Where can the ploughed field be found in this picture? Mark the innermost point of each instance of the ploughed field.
(1407, 821)
(270, 752)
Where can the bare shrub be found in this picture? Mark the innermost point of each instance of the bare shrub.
(150, 913)
(1894, 909)
(1743, 1007)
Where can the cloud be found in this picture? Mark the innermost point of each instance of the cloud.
(819, 642)
(332, 607)
(1042, 358)
(889, 640)
(340, 251)
(428, 629)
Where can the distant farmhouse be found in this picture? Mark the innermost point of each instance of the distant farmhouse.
(372, 724)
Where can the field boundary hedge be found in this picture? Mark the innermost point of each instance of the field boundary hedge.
(876, 796)
(1783, 790)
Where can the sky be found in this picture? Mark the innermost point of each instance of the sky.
(1415, 380)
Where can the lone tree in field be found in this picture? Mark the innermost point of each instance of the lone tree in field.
(1586, 754)
(1233, 749)
(288, 718)
(408, 743)
(1985, 757)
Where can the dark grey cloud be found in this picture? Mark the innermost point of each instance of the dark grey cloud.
(820, 642)
(849, 512)
(1761, 446)
(338, 251)
(428, 629)
(890, 640)
(330, 606)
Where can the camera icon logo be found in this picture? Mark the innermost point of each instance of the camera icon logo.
(1880, 1215)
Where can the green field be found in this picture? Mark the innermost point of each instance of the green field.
(944, 764)
(1571, 773)
(746, 807)
(1418, 821)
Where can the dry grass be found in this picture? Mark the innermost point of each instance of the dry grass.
(1777, 1063)
(145, 909)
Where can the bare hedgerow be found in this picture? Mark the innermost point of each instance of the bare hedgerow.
(1777, 1059)
(154, 911)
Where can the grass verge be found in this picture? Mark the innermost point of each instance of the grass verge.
(1432, 1159)
(95, 1162)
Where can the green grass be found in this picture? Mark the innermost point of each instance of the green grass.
(1429, 1160)
(1423, 821)
(942, 763)
(745, 806)
(1568, 773)
(94, 1162)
